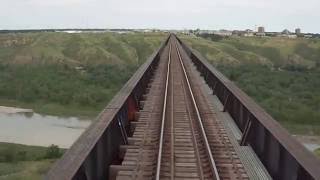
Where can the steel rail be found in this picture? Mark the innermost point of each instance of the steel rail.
(172, 130)
(212, 162)
(194, 138)
(163, 117)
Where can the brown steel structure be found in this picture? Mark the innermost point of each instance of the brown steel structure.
(161, 126)
(184, 141)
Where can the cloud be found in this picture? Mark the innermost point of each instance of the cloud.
(242, 14)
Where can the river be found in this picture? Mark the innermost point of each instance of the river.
(40, 130)
(43, 130)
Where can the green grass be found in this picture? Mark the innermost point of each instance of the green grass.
(282, 75)
(77, 49)
(278, 52)
(32, 152)
(27, 170)
(23, 162)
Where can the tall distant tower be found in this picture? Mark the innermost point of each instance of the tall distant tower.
(298, 31)
(261, 29)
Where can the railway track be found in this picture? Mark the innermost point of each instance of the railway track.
(177, 135)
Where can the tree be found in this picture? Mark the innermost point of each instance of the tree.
(53, 152)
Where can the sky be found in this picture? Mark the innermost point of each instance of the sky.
(274, 15)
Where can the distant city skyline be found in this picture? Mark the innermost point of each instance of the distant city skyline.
(274, 15)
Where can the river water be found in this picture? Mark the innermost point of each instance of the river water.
(41, 130)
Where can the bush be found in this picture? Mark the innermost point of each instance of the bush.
(9, 156)
(22, 155)
(289, 96)
(53, 152)
(304, 50)
(272, 53)
(63, 85)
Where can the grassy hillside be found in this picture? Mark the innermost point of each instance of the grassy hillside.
(26, 162)
(281, 74)
(70, 74)
(63, 74)
(275, 52)
(77, 49)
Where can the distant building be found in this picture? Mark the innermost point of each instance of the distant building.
(292, 36)
(248, 33)
(286, 32)
(245, 33)
(308, 36)
(261, 31)
(223, 32)
(206, 31)
(236, 33)
(272, 34)
(298, 31)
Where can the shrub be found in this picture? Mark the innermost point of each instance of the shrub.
(53, 152)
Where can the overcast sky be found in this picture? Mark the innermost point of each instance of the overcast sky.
(275, 15)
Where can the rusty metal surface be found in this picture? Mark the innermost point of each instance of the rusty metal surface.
(283, 156)
(78, 157)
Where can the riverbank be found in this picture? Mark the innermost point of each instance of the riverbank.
(70, 110)
(14, 110)
(25, 162)
(312, 143)
(302, 129)
(41, 130)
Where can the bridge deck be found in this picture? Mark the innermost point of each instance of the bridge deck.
(251, 162)
(183, 154)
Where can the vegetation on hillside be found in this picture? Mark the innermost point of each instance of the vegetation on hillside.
(281, 74)
(72, 74)
(26, 162)
(63, 74)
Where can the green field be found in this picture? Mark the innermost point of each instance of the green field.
(281, 74)
(69, 74)
(26, 162)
